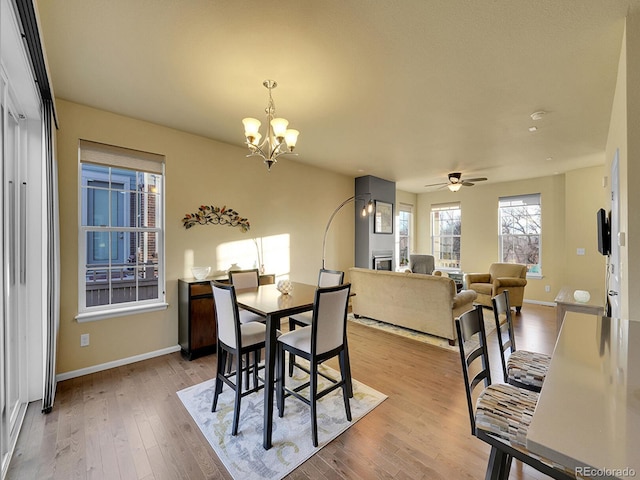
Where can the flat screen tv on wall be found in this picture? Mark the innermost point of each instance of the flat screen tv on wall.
(604, 233)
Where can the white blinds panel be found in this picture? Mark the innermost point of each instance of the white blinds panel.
(102, 154)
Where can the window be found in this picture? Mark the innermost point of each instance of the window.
(121, 254)
(404, 234)
(445, 235)
(520, 220)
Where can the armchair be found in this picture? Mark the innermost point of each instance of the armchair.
(425, 264)
(501, 277)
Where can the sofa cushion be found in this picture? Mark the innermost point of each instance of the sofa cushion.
(482, 288)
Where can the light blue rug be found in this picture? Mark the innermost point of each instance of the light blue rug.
(243, 455)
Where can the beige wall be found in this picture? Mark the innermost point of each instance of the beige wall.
(566, 226)
(292, 202)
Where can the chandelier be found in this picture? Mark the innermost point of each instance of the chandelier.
(279, 139)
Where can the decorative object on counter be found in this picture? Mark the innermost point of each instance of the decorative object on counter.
(284, 287)
(212, 215)
(582, 296)
(200, 273)
(279, 139)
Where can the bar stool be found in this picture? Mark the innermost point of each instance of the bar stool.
(502, 412)
(523, 368)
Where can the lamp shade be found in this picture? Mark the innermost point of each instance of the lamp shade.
(291, 137)
(279, 126)
(251, 126)
(454, 187)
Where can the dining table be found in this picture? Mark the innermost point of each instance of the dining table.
(268, 302)
(588, 413)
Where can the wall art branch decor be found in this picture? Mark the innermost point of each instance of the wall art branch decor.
(212, 215)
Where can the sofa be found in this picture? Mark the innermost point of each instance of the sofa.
(425, 303)
(501, 277)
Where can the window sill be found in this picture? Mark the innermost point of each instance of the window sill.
(535, 276)
(119, 312)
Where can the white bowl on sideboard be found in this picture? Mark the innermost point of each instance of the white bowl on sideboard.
(200, 273)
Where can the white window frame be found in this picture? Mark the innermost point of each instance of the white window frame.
(439, 262)
(402, 209)
(140, 162)
(531, 202)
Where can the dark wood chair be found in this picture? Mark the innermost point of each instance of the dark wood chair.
(502, 412)
(325, 338)
(521, 368)
(235, 340)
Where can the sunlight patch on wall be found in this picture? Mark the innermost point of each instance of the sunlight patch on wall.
(270, 254)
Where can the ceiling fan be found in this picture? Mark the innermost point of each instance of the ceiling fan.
(456, 182)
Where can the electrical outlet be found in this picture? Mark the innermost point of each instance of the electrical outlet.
(84, 340)
(547, 288)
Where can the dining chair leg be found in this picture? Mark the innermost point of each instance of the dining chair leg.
(344, 360)
(222, 359)
(236, 405)
(256, 362)
(246, 371)
(292, 359)
(280, 361)
(313, 390)
(499, 465)
(348, 369)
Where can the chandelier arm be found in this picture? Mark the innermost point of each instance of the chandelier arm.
(353, 198)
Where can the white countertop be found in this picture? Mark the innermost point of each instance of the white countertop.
(588, 414)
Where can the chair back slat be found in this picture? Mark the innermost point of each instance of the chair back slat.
(227, 317)
(504, 329)
(244, 278)
(330, 278)
(329, 318)
(467, 325)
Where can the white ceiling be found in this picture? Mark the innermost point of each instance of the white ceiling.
(406, 90)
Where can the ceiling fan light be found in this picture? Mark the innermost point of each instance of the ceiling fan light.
(454, 187)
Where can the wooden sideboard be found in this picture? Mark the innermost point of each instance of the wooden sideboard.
(196, 315)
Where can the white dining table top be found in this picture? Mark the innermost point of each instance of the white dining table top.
(588, 413)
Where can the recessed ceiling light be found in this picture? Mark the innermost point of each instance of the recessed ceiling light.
(537, 115)
(533, 128)
(549, 159)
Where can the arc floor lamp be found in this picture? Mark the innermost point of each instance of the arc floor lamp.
(367, 209)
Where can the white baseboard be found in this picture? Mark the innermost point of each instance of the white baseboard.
(116, 363)
(540, 302)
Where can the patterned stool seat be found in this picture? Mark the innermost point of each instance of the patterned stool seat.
(528, 368)
(505, 411)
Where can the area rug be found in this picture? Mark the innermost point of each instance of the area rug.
(243, 455)
(489, 325)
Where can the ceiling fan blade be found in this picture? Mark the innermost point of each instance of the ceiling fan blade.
(436, 184)
(465, 183)
(479, 179)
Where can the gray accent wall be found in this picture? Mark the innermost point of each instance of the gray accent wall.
(367, 242)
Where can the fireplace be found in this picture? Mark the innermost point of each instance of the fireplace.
(382, 260)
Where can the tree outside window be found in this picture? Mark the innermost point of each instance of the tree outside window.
(404, 235)
(520, 219)
(446, 228)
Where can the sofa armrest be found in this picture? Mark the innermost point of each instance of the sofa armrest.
(478, 278)
(438, 273)
(509, 282)
(464, 297)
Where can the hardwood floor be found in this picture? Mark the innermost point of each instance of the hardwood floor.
(128, 423)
